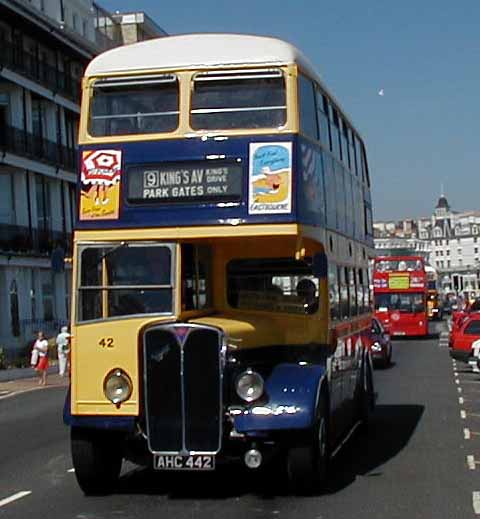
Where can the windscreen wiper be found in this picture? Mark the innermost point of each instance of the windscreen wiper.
(110, 251)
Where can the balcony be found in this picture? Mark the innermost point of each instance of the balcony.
(18, 239)
(28, 145)
(28, 65)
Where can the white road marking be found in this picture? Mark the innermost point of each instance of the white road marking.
(476, 502)
(466, 433)
(471, 462)
(457, 381)
(459, 389)
(71, 470)
(16, 496)
(460, 400)
(475, 369)
(463, 414)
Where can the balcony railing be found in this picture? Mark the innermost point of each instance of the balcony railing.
(19, 239)
(20, 142)
(26, 64)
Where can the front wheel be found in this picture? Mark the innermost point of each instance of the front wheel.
(97, 460)
(307, 465)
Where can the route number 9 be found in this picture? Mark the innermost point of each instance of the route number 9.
(106, 342)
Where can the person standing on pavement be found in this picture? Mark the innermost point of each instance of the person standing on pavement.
(63, 349)
(41, 345)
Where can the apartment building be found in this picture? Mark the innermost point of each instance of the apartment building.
(44, 47)
(450, 240)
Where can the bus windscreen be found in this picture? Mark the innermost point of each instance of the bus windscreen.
(237, 100)
(132, 106)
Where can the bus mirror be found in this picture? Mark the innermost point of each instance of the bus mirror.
(320, 265)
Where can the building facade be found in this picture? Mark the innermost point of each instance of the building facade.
(450, 240)
(44, 47)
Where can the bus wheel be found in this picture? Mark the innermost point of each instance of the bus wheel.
(97, 460)
(307, 465)
(366, 397)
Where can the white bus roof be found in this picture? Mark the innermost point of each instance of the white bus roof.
(196, 51)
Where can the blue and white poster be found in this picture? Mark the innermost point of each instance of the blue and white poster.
(270, 178)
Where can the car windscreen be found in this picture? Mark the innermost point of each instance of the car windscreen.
(472, 328)
(134, 105)
(126, 279)
(238, 100)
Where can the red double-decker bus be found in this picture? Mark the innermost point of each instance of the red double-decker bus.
(400, 293)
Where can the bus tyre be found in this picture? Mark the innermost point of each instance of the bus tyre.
(366, 396)
(307, 465)
(97, 460)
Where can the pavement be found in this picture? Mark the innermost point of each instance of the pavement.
(20, 380)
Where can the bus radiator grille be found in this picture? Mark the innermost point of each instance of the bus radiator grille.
(183, 393)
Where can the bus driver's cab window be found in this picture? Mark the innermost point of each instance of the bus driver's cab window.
(196, 277)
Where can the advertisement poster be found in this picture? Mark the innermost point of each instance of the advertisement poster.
(100, 185)
(398, 282)
(270, 178)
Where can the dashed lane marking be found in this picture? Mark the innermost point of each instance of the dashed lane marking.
(471, 462)
(463, 414)
(460, 400)
(459, 389)
(466, 433)
(71, 470)
(476, 502)
(457, 381)
(15, 497)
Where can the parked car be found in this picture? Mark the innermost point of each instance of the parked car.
(380, 344)
(465, 331)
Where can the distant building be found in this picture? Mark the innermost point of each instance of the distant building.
(44, 48)
(449, 240)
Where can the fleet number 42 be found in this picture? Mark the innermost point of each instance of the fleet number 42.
(106, 342)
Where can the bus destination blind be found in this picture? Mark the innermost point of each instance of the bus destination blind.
(184, 182)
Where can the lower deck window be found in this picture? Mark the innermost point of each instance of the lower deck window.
(276, 285)
(401, 302)
(126, 279)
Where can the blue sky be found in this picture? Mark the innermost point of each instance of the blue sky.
(425, 55)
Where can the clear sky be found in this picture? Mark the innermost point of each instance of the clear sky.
(424, 54)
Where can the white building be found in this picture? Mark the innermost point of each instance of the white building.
(448, 239)
(44, 48)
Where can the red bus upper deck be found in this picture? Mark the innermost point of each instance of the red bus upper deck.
(400, 289)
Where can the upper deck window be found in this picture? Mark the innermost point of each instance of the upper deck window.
(238, 100)
(134, 105)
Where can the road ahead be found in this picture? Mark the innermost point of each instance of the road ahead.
(419, 461)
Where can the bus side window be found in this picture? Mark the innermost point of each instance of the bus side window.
(330, 191)
(360, 300)
(353, 292)
(367, 295)
(344, 296)
(308, 115)
(196, 277)
(323, 124)
(333, 291)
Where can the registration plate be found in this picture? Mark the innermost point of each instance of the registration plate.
(178, 462)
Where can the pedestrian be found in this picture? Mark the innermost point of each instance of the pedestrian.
(63, 349)
(41, 345)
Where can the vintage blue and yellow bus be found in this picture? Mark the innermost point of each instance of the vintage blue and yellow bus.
(221, 294)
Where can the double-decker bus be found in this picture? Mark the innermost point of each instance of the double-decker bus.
(434, 303)
(221, 293)
(400, 294)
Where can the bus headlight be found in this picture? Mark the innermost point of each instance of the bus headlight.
(117, 386)
(249, 386)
